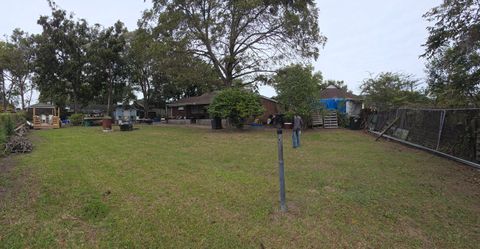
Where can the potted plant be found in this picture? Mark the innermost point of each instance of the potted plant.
(107, 123)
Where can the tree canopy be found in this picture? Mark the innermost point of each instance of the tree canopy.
(16, 65)
(236, 105)
(392, 90)
(180, 49)
(453, 51)
(241, 39)
(61, 57)
(298, 89)
(107, 64)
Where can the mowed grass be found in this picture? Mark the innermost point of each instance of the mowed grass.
(180, 187)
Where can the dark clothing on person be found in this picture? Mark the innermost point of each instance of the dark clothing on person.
(297, 127)
(297, 123)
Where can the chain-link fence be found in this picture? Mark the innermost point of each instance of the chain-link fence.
(455, 132)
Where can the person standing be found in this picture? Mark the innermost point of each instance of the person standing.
(297, 127)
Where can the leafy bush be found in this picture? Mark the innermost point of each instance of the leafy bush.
(76, 119)
(236, 105)
(343, 120)
(298, 89)
(16, 118)
(3, 137)
(23, 116)
(8, 126)
(8, 122)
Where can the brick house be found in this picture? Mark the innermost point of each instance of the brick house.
(196, 108)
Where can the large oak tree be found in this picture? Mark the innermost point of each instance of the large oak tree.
(241, 39)
(107, 64)
(61, 57)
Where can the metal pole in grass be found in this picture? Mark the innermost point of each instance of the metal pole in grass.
(281, 170)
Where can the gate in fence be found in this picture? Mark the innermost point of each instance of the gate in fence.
(455, 132)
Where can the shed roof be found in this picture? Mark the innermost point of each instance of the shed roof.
(42, 105)
(333, 92)
(204, 99)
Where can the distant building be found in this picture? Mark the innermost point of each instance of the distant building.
(125, 113)
(44, 116)
(194, 108)
(154, 112)
(334, 98)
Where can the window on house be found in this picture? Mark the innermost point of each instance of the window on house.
(196, 109)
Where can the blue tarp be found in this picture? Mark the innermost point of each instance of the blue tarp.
(335, 104)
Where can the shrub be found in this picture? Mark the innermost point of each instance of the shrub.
(343, 120)
(3, 137)
(22, 116)
(16, 118)
(8, 123)
(298, 90)
(76, 119)
(9, 126)
(236, 105)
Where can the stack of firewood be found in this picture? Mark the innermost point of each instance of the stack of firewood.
(19, 143)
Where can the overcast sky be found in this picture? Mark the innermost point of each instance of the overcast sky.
(368, 36)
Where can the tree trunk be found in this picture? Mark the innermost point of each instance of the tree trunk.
(228, 80)
(109, 98)
(146, 108)
(145, 86)
(29, 101)
(75, 109)
(22, 95)
(4, 94)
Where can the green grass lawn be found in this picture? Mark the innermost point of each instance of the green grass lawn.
(179, 187)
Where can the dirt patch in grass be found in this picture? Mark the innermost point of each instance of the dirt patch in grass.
(10, 182)
(6, 166)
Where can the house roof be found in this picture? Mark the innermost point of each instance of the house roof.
(125, 107)
(333, 92)
(42, 105)
(204, 99)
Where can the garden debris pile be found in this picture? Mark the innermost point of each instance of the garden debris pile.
(18, 144)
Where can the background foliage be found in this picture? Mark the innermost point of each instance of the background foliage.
(298, 89)
(236, 105)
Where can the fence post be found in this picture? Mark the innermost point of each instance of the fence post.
(440, 129)
(281, 170)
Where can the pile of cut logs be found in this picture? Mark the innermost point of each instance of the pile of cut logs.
(18, 142)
